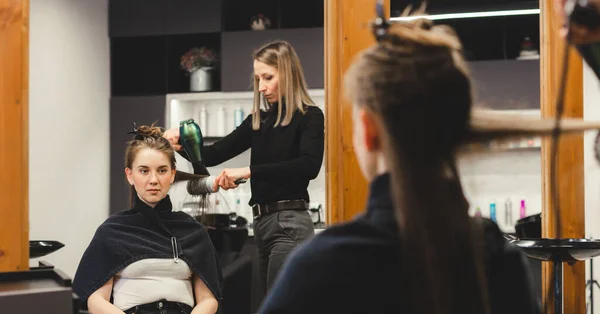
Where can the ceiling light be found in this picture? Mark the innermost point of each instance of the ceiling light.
(448, 16)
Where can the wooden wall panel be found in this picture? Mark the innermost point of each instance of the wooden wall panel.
(14, 57)
(570, 158)
(347, 32)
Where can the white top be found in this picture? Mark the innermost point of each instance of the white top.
(152, 279)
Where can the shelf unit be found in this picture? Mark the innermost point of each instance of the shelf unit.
(148, 38)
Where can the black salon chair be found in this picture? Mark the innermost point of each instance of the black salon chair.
(228, 243)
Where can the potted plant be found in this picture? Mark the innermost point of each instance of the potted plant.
(199, 63)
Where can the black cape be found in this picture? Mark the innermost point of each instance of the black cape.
(145, 232)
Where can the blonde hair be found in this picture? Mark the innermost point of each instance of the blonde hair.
(292, 84)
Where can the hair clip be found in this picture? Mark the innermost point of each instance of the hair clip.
(381, 25)
(135, 131)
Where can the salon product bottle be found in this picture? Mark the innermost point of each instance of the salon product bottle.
(238, 117)
(477, 212)
(238, 207)
(522, 210)
(508, 218)
(493, 211)
(203, 121)
(221, 125)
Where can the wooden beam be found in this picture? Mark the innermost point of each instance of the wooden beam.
(14, 159)
(347, 32)
(570, 159)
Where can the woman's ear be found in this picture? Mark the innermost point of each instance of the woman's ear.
(173, 171)
(128, 174)
(371, 132)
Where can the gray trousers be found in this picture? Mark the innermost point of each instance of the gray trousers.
(276, 235)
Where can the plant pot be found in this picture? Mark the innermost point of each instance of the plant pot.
(201, 79)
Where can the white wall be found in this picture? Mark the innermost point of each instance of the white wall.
(591, 111)
(68, 124)
(494, 177)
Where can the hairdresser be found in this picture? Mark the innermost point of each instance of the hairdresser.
(286, 134)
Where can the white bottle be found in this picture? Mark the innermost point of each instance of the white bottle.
(221, 124)
(238, 117)
(203, 122)
(508, 213)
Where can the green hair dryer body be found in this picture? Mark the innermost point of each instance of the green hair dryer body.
(190, 138)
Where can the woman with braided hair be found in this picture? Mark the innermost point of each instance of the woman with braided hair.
(149, 259)
(416, 250)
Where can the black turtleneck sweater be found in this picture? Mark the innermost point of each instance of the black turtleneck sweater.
(355, 268)
(283, 159)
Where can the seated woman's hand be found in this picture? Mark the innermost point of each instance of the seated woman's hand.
(227, 178)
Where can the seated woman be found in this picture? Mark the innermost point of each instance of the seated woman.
(416, 250)
(149, 259)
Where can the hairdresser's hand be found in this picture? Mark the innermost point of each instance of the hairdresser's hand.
(579, 34)
(226, 179)
(173, 136)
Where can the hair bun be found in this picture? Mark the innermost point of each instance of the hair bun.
(142, 132)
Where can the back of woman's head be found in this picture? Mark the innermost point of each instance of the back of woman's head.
(416, 78)
(293, 90)
(416, 84)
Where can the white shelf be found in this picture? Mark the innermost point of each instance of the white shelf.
(181, 107)
(227, 95)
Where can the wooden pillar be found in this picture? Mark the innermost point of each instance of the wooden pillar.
(347, 32)
(14, 58)
(570, 171)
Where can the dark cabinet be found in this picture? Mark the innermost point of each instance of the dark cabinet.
(137, 65)
(281, 14)
(163, 17)
(193, 16)
(124, 111)
(237, 49)
(137, 17)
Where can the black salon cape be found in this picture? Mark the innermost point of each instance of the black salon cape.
(137, 234)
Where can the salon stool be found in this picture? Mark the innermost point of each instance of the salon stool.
(559, 251)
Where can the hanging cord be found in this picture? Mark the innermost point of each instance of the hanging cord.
(560, 106)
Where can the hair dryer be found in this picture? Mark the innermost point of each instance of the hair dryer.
(190, 138)
(585, 13)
